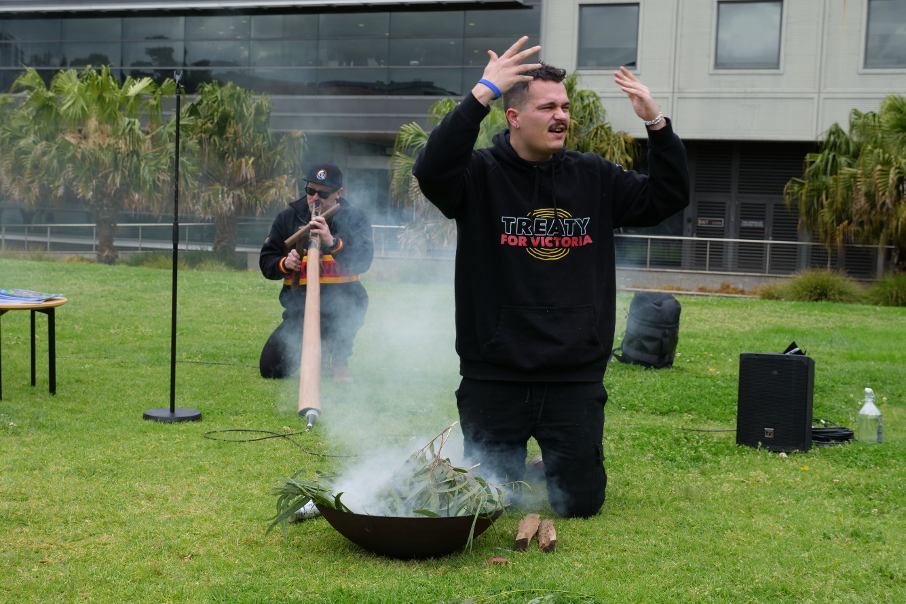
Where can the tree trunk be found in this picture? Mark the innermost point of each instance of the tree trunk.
(107, 253)
(226, 234)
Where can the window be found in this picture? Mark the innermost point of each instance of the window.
(885, 41)
(77, 55)
(411, 53)
(29, 29)
(93, 29)
(284, 53)
(428, 24)
(426, 51)
(217, 28)
(748, 35)
(269, 27)
(161, 53)
(509, 23)
(476, 49)
(354, 25)
(153, 28)
(608, 36)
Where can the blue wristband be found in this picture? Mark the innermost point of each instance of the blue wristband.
(490, 85)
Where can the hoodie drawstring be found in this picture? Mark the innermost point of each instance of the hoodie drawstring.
(537, 172)
(554, 192)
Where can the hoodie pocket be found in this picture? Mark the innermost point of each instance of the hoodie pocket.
(532, 338)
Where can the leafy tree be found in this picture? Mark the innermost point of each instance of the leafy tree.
(88, 136)
(853, 189)
(237, 163)
(589, 131)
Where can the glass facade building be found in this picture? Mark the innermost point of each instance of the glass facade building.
(370, 53)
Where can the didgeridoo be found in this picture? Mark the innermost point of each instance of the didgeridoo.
(297, 240)
(310, 370)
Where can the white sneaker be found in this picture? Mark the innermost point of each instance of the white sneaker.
(307, 511)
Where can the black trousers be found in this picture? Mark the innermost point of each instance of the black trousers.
(343, 308)
(567, 420)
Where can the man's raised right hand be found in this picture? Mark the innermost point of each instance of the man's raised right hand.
(506, 70)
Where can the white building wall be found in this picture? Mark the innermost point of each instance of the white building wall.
(819, 81)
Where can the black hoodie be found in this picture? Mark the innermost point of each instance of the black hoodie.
(535, 271)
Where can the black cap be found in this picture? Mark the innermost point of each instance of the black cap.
(325, 174)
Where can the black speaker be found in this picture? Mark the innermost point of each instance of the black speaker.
(774, 408)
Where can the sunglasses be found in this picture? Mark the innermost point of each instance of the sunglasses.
(319, 193)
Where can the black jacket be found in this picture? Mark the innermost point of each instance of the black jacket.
(340, 267)
(535, 270)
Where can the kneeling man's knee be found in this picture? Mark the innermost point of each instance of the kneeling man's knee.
(577, 489)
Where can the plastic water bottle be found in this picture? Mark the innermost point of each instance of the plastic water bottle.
(868, 429)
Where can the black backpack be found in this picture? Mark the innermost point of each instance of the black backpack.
(652, 330)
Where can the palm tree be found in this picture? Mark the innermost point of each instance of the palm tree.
(589, 131)
(237, 163)
(853, 189)
(88, 136)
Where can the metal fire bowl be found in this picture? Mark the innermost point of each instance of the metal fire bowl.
(398, 537)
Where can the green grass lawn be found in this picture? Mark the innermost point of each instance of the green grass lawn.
(97, 505)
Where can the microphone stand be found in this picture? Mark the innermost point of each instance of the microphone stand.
(173, 414)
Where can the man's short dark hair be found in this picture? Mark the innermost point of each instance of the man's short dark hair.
(516, 96)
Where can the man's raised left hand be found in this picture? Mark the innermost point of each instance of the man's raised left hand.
(640, 96)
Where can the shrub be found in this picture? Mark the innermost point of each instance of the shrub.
(226, 261)
(771, 291)
(155, 260)
(165, 262)
(79, 259)
(889, 291)
(212, 264)
(195, 259)
(141, 258)
(725, 288)
(822, 286)
(34, 253)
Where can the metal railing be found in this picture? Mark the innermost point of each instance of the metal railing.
(641, 252)
(747, 256)
(148, 236)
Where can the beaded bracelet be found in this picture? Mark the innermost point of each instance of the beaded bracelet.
(656, 120)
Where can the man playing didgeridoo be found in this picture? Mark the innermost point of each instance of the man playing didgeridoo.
(347, 251)
(535, 270)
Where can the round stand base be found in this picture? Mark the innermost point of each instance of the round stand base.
(176, 415)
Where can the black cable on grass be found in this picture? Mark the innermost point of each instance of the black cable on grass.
(270, 434)
(821, 437)
(830, 437)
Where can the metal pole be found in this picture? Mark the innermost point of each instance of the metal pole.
(175, 251)
(173, 414)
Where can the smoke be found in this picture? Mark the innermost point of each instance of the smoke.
(363, 484)
(406, 372)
